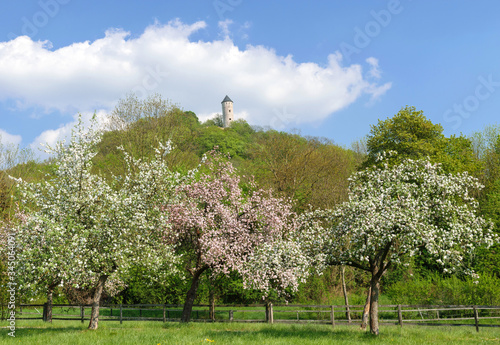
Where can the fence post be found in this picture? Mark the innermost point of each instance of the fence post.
(400, 316)
(437, 313)
(231, 315)
(267, 312)
(44, 313)
(271, 316)
(121, 314)
(111, 311)
(476, 318)
(164, 318)
(82, 313)
(332, 316)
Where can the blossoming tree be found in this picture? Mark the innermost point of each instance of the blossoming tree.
(216, 226)
(84, 230)
(393, 212)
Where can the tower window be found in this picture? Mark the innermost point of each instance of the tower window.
(229, 110)
(229, 119)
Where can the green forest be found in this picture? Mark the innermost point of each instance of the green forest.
(311, 172)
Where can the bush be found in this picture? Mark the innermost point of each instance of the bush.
(437, 290)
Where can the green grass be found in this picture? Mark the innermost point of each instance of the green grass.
(132, 332)
(281, 313)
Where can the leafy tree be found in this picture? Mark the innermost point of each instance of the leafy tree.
(86, 232)
(243, 129)
(412, 136)
(216, 227)
(227, 141)
(409, 133)
(485, 141)
(138, 125)
(13, 160)
(311, 171)
(490, 203)
(216, 121)
(394, 212)
(456, 155)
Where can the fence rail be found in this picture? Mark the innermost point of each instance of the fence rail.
(434, 315)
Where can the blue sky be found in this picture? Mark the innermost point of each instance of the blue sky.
(326, 68)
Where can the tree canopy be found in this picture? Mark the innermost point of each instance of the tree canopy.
(395, 211)
(84, 231)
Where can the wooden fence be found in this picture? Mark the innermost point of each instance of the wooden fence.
(430, 315)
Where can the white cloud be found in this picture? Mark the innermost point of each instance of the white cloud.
(197, 75)
(224, 27)
(8, 139)
(52, 136)
(375, 71)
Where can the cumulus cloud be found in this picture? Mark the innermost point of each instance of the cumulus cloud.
(9, 139)
(86, 76)
(52, 136)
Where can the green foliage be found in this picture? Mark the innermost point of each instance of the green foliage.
(16, 162)
(409, 133)
(217, 121)
(488, 260)
(311, 171)
(456, 155)
(4, 295)
(243, 129)
(491, 204)
(487, 149)
(320, 289)
(412, 135)
(142, 289)
(438, 290)
(227, 140)
(227, 290)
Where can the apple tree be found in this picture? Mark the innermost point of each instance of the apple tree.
(395, 211)
(219, 225)
(82, 230)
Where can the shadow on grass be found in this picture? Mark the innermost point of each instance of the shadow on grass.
(27, 332)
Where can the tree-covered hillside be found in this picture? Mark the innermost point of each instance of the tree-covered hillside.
(313, 173)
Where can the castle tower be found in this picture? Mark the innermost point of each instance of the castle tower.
(227, 111)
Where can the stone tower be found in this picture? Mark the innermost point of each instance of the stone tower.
(227, 111)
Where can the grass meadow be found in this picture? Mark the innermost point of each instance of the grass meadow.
(171, 333)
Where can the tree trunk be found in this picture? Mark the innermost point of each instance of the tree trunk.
(191, 295)
(50, 301)
(94, 316)
(50, 293)
(366, 310)
(346, 299)
(211, 301)
(375, 286)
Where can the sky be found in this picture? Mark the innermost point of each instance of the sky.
(323, 68)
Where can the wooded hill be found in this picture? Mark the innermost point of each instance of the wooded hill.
(310, 170)
(313, 172)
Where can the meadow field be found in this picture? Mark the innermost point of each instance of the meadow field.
(155, 333)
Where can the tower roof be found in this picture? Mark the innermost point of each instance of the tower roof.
(226, 99)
